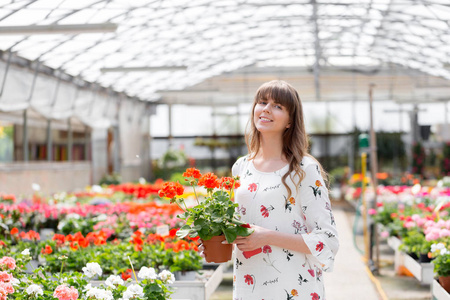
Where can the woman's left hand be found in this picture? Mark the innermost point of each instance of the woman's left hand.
(254, 241)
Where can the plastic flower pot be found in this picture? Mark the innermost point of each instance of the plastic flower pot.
(215, 251)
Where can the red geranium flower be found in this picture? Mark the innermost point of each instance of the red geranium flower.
(14, 231)
(314, 296)
(126, 274)
(171, 189)
(228, 183)
(209, 181)
(192, 172)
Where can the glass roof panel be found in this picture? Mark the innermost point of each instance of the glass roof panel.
(211, 37)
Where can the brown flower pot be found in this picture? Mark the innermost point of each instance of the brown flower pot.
(445, 282)
(215, 251)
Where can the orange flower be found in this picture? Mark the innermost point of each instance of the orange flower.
(192, 172)
(181, 245)
(171, 189)
(209, 181)
(47, 250)
(14, 231)
(83, 242)
(74, 245)
(126, 274)
(294, 293)
(292, 200)
(318, 183)
(227, 183)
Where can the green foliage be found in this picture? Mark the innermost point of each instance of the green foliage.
(416, 243)
(442, 265)
(188, 260)
(109, 179)
(212, 217)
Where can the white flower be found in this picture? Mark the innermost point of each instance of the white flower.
(26, 252)
(15, 281)
(97, 189)
(113, 281)
(92, 269)
(167, 276)
(439, 249)
(34, 290)
(87, 287)
(100, 294)
(36, 187)
(147, 273)
(132, 291)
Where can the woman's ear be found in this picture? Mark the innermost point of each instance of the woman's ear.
(288, 125)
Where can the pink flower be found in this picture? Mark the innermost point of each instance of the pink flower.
(409, 224)
(63, 292)
(372, 211)
(432, 236)
(7, 286)
(267, 249)
(384, 234)
(444, 232)
(5, 277)
(8, 262)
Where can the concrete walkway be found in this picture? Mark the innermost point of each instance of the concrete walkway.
(349, 279)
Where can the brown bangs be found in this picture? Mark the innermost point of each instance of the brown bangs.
(278, 92)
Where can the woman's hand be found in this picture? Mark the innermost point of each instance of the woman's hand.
(254, 241)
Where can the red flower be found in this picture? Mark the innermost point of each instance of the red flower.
(319, 246)
(192, 172)
(171, 189)
(252, 187)
(14, 231)
(228, 183)
(248, 279)
(209, 181)
(311, 271)
(47, 250)
(314, 296)
(267, 249)
(126, 274)
(74, 246)
(180, 245)
(246, 225)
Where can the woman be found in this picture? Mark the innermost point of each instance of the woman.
(284, 197)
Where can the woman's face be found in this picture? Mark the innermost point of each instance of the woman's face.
(270, 117)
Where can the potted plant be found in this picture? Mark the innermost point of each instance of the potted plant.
(213, 219)
(441, 264)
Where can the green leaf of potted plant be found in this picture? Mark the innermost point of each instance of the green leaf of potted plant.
(213, 218)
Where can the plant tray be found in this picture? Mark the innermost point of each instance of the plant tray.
(422, 271)
(438, 292)
(199, 289)
(394, 242)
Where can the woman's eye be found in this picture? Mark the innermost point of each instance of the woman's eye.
(278, 106)
(263, 102)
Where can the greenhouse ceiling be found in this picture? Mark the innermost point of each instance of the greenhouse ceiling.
(148, 48)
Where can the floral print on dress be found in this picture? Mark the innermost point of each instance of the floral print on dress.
(316, 189)
(289, 203)
(250, 280)
(266, 210)
(267, 250)
(292, 294)
(253, 187)
(272, 272)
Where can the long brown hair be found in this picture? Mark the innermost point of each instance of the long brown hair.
(295, 139)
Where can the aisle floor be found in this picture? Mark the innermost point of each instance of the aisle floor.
(349, 280)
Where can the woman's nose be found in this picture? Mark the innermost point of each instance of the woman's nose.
(267, 108)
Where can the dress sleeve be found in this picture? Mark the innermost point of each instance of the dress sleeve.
(322, 237)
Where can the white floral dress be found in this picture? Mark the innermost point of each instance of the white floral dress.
(273, 273)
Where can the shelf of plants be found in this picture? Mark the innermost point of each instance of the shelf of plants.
(416, 221)
(438, 292)
(116, 241)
